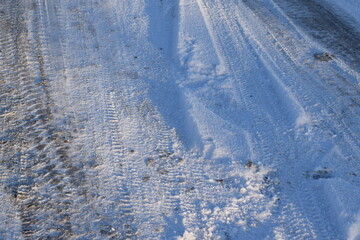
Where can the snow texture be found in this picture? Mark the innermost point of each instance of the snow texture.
(179, 119)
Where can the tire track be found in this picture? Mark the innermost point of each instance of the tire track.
(267, 153)
(316, 228)
(117, 151)
(32, 116)
(327, 27)
(339, 84)
(290, 45)
(121, 133)
(150, 162)
(95, 118)
(338, 81)
(221, 22)
(46, 177)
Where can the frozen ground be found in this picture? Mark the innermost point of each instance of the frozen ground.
(179, 119)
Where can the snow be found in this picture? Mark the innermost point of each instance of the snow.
(343, 199)
(354, 229)
(179, 119)
(350, 7)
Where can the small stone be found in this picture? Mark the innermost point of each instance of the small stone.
(145, 178)
(324, 57)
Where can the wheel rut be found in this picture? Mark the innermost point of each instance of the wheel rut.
(43, 178)
(326, 26)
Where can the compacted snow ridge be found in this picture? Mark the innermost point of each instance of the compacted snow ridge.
(180, 119)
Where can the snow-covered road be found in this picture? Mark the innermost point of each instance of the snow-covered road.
(179, 119)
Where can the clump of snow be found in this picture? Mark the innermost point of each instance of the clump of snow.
(302, 119)
(187, 236)
(354, 230)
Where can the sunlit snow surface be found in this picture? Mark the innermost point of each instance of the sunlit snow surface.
(179, 119)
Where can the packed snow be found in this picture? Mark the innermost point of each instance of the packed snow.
(180, 119)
